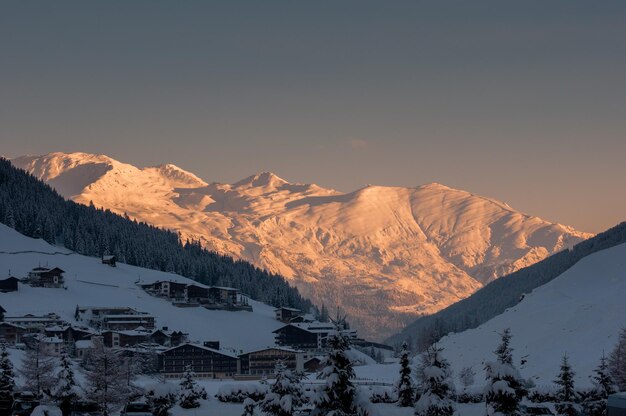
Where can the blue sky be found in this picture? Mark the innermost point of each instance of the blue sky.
(521, 101)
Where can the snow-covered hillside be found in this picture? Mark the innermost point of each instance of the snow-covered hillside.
(91, 283)
(384, 254)
(579, 313)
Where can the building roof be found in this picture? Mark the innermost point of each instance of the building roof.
(285, 308)
(228, 354)
(285, 349)
(84, 343)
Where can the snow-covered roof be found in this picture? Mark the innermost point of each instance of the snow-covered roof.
(286, 349)
(314, 327)
(84, 343)
(285, 308)
(222, 352)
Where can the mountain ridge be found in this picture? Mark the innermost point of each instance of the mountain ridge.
(383, 254)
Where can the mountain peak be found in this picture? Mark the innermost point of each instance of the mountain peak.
(261, 180)
(180, 175)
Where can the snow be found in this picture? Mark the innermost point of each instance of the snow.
(385, 254)
(579, 313)
(89, 282)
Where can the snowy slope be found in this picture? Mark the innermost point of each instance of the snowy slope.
(579, 313)
(90, 283)
(384, 254)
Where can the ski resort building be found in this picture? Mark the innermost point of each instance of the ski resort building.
(114, 318)
(263, 362)
(285, 314)
(35, 323)
(308, 336)
(206, 362)
(11, 333)
(46, 277)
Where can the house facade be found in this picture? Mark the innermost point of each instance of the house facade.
(204, 361)
(263, 362)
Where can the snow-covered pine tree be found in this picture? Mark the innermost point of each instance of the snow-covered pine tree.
(190, 391)
(284, 395)
(65, 391)
(617, 361)
(248, 407)
(7, 375)
(437, 386)
(404, 387)
(505, 388)
(337, 396)
(604, 385)
(566, 394)
(466, 377)
(106, 384)
(37, 368)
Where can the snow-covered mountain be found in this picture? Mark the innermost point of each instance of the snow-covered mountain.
(383, 254)
(580, 313)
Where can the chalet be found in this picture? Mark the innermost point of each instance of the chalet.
(109, 260)
(310, 336)
(51, 346)
(83, 347)
(9, 284)
(204, 361)
(114, 339)
(45, 277)
(263, 362)
(167, 289)
(138, 320)
(168, 338)
(67, 333)
(313, 364)
(114, 318)
(34, 323)
(12, 333)
(285, 314)
(196, 293)
(224, 295)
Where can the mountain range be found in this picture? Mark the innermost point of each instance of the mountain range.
(384, 255)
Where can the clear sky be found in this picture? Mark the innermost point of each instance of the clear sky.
(521, 101)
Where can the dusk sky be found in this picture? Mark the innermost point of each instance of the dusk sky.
(521, 101)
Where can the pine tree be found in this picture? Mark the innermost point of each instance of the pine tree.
(404, 387)
(285, 394)
(437, 387)
(37, 368)
(505, 388)
(190, 391)
(64, 391)
(617, 361)
(7, 375)
(106, 384)
(566, 394)
(248, 407)
(595, 405)
(337, 396)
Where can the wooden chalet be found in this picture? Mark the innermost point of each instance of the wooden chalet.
(309, 336)
(204, 361)
(263, 362)
(285, 314)
(114, 318)
(46, 277)
(35, 323)
(109, 260)
(12, 333)
(9, 284)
